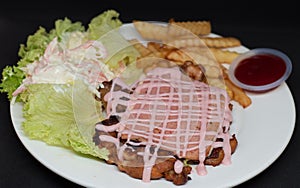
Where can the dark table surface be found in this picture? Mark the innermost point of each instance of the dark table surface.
(263, 25)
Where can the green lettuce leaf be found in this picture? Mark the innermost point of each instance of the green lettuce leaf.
(121, 53)
(66, 25)
(35, 47)
(105, 28)
(63, 115)
(12, 77)
(103, 23)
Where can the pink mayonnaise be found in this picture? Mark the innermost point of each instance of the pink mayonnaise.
(172, 112)
(178, 166)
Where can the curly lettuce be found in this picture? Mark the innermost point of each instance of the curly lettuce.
(63, 115)
(103, 23)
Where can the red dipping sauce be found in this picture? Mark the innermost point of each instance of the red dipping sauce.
(260, 69)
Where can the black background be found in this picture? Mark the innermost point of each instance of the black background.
(256, 23)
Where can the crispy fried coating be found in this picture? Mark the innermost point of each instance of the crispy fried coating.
(106, 85)
(217, 154)
(233, 144)
(215, 158)
(158, 170)
(179, 179)
(164, 168)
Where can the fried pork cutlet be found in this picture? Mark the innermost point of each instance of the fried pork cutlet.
(162, 123)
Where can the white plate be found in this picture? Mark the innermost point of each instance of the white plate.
(263, 131)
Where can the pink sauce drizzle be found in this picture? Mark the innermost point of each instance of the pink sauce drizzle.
(227, 150)
(170, 111)
(178, 166)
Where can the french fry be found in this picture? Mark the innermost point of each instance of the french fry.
(212, 71)
(149, 63)
(201, 56)
(211, 42)
(229, 92)
(155, 51)
(151, 31)
(239, 94)
(185, 41)
(236, 93)
(165, 49)
(218, 82)
(152, 49)
(178, 56)
(221, 42)
(144, 62)
(156, 54)
(144, 51)
(196, 27)
(180, 42)
(224, 56)
(153, 46)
